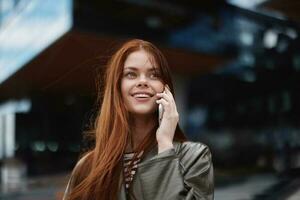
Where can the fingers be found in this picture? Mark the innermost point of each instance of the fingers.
(167, 100)
(169, 107)
(168, 88)
(166, 94)
(163, 102)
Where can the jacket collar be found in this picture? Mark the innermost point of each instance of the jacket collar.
(153, 152)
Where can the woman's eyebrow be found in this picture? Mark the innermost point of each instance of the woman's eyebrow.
(135, 68)
(132, 68)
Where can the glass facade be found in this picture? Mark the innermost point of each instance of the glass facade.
(27, 27)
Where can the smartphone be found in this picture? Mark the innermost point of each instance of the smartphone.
(160, 112)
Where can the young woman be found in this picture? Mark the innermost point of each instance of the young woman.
(135, 156)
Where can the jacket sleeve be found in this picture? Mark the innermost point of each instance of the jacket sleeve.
(75, 178)
(69, 188)
(186, 175)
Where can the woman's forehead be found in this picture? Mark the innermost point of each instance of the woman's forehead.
(140, 60)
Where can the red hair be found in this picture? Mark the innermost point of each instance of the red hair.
(99, 175)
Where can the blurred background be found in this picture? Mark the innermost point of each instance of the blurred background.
(236, 70)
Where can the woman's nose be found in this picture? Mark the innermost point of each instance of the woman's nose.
(142, 81)
(142, 84)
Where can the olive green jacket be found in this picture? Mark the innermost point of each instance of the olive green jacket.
(184, 172)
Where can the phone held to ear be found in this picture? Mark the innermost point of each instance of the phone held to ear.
(160, 112)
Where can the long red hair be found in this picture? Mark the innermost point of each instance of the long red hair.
(99, 175)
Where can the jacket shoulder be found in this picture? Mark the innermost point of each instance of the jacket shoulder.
(81, 169)
(78, 174)
(187, 147)
(193, 154)
(82, 161)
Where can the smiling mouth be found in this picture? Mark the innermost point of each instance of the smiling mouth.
(142, 97)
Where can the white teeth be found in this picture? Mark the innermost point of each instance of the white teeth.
(141, 95)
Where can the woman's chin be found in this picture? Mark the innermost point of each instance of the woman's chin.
(143, 112)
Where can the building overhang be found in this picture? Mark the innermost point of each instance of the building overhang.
(71, 63)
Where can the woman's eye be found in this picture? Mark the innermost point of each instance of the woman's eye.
(154, 75)
(130, 75)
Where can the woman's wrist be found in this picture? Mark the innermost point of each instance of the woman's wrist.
(164, 146)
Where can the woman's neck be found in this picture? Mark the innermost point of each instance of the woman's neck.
(140, 127)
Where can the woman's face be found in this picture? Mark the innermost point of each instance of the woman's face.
(140, 83)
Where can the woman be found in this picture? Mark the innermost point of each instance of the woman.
(134, 156)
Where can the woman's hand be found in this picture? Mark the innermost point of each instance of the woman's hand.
(165, 132)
